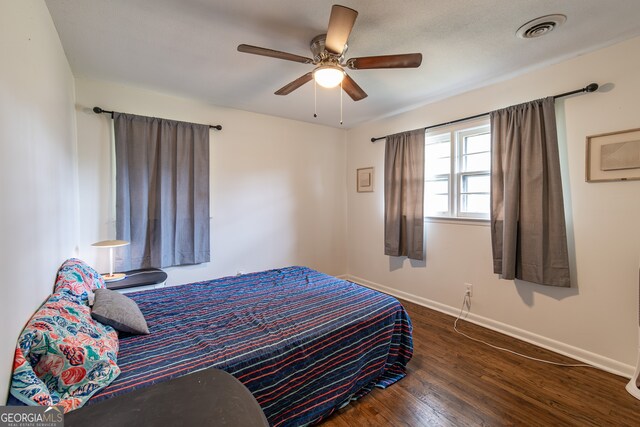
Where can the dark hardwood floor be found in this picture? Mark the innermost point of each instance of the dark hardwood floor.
(453, 381)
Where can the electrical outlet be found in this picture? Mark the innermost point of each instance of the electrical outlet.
(469, 289)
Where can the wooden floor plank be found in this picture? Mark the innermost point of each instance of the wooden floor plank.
(453, 381)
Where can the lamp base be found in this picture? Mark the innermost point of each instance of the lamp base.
(113, 277)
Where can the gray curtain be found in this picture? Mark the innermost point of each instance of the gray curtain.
(528, 232)
(162, 191)
(404, 195)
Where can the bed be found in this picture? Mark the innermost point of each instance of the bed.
(304, 343)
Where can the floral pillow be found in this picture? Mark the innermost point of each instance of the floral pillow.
(63, 356)
(76, 280)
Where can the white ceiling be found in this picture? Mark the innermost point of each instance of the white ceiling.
(188, 47)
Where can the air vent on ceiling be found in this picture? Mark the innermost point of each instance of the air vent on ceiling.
(540, 26)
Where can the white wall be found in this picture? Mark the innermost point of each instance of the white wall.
(597, 319)
(278, 193)
(38, 186)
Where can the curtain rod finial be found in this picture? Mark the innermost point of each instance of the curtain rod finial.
(97, 110)
(592, 87)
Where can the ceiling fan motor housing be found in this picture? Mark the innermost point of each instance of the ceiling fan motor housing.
(320, 54)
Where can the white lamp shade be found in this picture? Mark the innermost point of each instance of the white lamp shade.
(328, 76)
(110, 244)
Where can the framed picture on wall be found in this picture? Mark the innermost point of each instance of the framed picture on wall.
(613, 156)
(364, 180)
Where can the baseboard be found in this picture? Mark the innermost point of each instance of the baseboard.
(601, 362)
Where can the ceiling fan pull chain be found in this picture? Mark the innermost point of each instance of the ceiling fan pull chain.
(315, 99)
(340, 103)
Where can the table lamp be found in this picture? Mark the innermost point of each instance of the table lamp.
(111, 277)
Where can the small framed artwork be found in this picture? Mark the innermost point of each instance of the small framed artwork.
(613, 156)
(364, 180)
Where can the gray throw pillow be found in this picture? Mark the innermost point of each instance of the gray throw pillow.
(119, 311)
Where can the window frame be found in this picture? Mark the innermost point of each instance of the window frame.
(456, 136)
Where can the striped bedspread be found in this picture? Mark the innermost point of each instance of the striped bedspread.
(304, 343)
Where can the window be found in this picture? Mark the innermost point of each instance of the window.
(458, 171)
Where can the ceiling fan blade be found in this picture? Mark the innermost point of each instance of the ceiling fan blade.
(407, 60)
(340, 25)
(353, 90)
(287, 89)
(273, 53)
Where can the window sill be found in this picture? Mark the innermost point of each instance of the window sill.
(458, 221)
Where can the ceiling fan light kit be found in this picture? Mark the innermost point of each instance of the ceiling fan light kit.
(328, 56)
(328, 76)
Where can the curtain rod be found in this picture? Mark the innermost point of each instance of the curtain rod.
(589, 88)
(99, 110)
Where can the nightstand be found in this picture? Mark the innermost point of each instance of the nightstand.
(139, 280)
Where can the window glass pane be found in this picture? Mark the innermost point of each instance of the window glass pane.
(440, 186)
(436, 204)
(476, 162)
(437, 166)
(440, 149)
(437, 155)
(474, 203)
(436, 196)
(477, 143)
(476, 184)
(437, 137)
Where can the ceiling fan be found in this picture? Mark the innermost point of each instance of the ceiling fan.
(328, 56)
